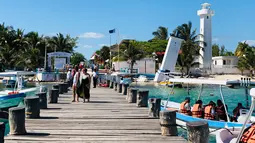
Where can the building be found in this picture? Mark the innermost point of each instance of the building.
(224, 61)
(205, 15)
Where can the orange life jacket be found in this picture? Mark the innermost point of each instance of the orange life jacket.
(182, 108)
(249, 135)
(208, 114)
(196, 112)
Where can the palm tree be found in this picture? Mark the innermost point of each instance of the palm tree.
(161, 33)
(241, 48)
(62, 43)
(132, 53)
(190, 46)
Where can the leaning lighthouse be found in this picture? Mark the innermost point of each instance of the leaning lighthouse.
(205, 15)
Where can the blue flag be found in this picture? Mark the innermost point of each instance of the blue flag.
(112, 31)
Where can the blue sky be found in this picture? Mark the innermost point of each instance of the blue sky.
(137, 19)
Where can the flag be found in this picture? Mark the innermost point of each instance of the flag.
(112, 31)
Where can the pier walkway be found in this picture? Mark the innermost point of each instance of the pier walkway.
(107, 118)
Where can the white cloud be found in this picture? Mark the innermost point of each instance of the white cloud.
(215, 39)
(91, 35)
(101, 45)
(87, 46)
(250, 42)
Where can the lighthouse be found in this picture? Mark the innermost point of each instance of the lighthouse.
(205, 14)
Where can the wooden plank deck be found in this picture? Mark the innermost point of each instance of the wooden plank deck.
(107, 118)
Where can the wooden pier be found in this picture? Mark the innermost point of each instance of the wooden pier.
(106, 118)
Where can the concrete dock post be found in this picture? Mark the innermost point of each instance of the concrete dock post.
(168, 123)
(154, 107)
(61, 88)
(65, 89)
(17, 121)
(198, 132)
(120, 88)
(115, 86)
(42, 99)
(32, 105)
(142, 98)
(53, 96)
(132, 95)
(125, 87)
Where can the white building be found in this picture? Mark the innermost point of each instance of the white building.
(205, 15)
(224, 61)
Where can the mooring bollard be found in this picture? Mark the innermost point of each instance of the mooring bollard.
(154, 107)
(2, 129)
(61, 88)
(108, 83)
(120, 88)
(42, 100)
(168, 123)
(56, 86)
(17, 121)
(142, 98)
(125, 89)
(65, 89)
(53, 96)
(198, 132)
(115, 86)
(32, 107)
(132, 95)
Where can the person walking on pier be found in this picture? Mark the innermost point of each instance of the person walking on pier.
(76, 84)
(95, 76)
(85, 84)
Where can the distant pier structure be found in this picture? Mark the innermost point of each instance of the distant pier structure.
(205, 15)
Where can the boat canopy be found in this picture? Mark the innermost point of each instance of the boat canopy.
(16, 73)
(215, 82)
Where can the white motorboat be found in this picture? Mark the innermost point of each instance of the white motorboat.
(14, 94)
(214, 125)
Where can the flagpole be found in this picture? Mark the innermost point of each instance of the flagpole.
(118, 49)
(110, 54)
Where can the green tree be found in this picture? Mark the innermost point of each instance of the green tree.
(215, 50)
(161, 33)
(62, 43)
(241, 48)
(189, 48)
(242, 64)
(76, 58)
(132, 52)
(104, 53)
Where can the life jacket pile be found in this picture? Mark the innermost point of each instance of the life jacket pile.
(196, 112)
(249, 135)
(208, 114)
(182, 108)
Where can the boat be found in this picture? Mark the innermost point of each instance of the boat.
(12, 95)
(214, 125)
(142, 78)
(227, 136)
